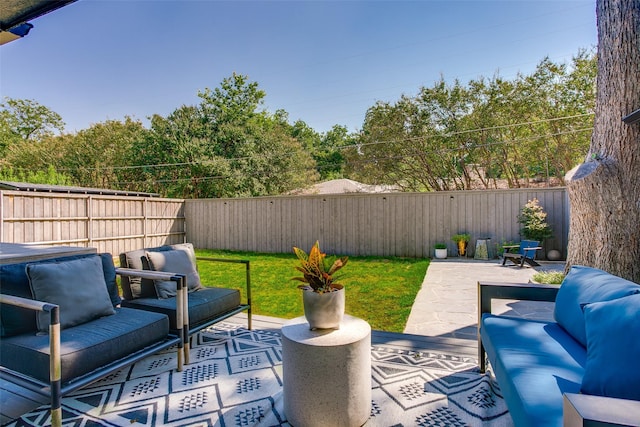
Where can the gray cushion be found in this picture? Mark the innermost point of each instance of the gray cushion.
(188, 248)
(135, 287)
(204, 305)
(77, 286)
(174, 261)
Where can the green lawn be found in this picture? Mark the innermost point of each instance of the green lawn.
(379, 290)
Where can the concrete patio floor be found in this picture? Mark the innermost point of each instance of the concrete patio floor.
(447, 303)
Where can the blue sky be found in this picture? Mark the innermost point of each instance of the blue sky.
(324, 62)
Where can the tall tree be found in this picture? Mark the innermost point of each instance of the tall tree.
(456, 136)
(92, 157)
(225, 146)
(604, 191)
(26, 120)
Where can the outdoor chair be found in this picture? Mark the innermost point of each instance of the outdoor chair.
(203, 305)
(526, 253)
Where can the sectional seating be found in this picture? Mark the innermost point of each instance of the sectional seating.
(582, 368)
(62, 325)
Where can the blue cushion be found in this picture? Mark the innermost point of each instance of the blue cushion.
(15, 320)
(613, 348)
(204, 305)
(110, 278)
(14, 281)
(584, 285)
(85, 347)
(77, 286)
(535, 363)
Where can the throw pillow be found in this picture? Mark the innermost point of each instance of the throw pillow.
(585, 285)
(174, 261)
(77, 286)
(110, 278)
(135, 287)
(188, 248)
(613, 348)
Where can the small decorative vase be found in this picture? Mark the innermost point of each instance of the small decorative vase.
(324, 311)
(462, 248)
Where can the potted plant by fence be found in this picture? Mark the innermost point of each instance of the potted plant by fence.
(323, 298)
(441, 250)
(533, 220)
(462, 240)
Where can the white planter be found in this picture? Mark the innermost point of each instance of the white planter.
(441, 253)
(324, 311)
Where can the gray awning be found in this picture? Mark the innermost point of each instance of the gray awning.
(14, 15)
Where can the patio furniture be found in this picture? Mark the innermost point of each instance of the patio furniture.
(202, 306)
(581, 369)
(327, 373)
(526, 253)
(62, 327)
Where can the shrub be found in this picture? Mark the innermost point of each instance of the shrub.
(533, 219)
(549, 277)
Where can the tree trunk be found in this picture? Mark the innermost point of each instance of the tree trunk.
(604, 191)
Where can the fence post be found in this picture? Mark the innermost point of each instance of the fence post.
(89, 221)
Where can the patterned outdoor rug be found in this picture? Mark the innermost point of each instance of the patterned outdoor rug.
(235, 379)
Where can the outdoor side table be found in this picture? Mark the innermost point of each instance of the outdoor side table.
(327, 373)
(483, 248)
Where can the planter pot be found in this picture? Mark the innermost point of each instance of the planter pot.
(462, 248)
(324, 311)
(441, 253)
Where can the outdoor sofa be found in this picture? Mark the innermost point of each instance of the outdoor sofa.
(62, 326)
(581, 369)
(202, 305)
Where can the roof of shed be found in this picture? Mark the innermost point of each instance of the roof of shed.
(46, 188)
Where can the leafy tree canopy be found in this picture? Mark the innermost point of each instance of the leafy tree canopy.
(26, 120)
(484, 134)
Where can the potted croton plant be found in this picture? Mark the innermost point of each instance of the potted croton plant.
(322, 296)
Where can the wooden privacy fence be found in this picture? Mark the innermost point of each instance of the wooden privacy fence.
(393, 224)
(109, 223)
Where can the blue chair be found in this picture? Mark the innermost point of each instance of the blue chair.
(526, 253)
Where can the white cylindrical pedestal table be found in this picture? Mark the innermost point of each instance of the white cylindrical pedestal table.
(327, 373)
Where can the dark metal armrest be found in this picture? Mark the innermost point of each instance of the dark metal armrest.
(586, 410)
(55, 365)
(488, 291)
(517, 291)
